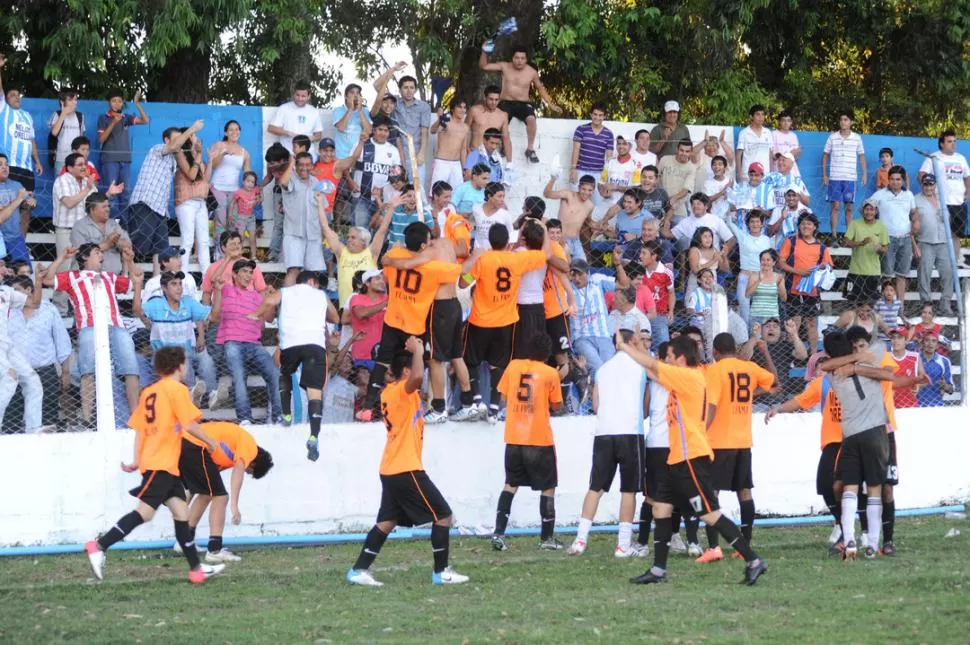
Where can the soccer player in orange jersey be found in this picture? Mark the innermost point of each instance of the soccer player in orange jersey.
(200, 471)
(408, 496)
(165, 410)
(731, 386)
(690, 474)
(531, 388)
(489, 336)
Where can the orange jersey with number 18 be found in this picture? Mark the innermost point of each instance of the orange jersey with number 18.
(412, 291)
(164, 409)
(731, 385)
(497, 276)
(529, 388)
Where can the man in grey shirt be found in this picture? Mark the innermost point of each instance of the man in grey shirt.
(97, 227)
(302, 236)
(864, 457)
(414, 117)
(932, 237)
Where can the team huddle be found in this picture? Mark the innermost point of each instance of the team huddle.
(677, 430)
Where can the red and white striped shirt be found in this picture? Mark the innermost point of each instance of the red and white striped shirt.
(79, 285)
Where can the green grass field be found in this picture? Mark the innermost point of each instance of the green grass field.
(284, 596)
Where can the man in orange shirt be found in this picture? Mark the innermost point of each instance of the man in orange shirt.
(558, 300)
(408, 497)
(530, 388)
(164, 411)
(411, 293)
(200, 471)
(690, 475)
(489, 335)
(731, 386)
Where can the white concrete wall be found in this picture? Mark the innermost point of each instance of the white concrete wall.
(66, 488)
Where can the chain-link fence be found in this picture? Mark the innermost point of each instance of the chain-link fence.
(712, 291)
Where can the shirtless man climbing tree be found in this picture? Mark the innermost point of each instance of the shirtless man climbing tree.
(518, 79)
(487, 116)
(575, 209)
(449, 157)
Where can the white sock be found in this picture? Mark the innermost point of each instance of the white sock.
(625, 535)
(874, 515)
(582, 533)
(850, 505)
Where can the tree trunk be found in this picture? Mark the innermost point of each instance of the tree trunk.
(294, 64)
(185, 77)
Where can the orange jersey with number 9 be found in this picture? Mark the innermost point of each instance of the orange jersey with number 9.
(529, 388)
(164, 408)
(497, 276)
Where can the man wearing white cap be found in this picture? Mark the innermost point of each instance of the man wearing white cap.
(669, 132)
(785, 178)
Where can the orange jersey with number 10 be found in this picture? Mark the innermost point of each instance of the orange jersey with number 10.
(686, 412)
(529, 388)
(164, 408)
(411, 291)
(497, 276)
(731, 385)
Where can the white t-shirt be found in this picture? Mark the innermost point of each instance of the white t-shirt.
(687, 226)
(659, 435)
(301, 120)
(785, 142)
(621, 173)
(153, 287)
(955, 170)
(791, 222)
(641, 160)
(482, 223)
(756, 147)
(843, 155)
(530, 288)
(620, 384)
(303, 316)
(713, 186)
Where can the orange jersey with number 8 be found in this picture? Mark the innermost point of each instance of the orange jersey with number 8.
(164, 408)
(497, 276)
(529, 388)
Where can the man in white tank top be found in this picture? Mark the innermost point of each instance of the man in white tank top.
(529, 299)
(620, 401)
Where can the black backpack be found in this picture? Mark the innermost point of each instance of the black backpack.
(52, 143)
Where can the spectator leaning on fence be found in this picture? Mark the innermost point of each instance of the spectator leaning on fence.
(589, 328)
(80, 287)
(939, 372)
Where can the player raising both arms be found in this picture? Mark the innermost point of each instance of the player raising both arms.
(408, 496)
(690, 474)
(731, 386)
(530, 388)
(164, 411)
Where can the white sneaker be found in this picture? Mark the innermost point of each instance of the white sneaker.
(204, 572)
(676, 544)
(220, 397)
(694, 550)
(448, 577)
(362, 577)
(864, 541)
(95, 558)
(223, 555)
(578, 547)
(464, 414)
(481, 411)
(435, 418)
(640, 550)
(198, 391)
(632, 551)
(835, 535)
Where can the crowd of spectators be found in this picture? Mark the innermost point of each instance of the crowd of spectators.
(661, 234)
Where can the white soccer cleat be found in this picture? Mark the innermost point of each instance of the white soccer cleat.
(198, 391)
(95, 558)
(223, 555)
(632, 551)
(435, 418)
(204, 572)
(363, 578)
(835, 535)
(694, 550)
(448, 577)
(578, 547)
(480, 410)
(863, 541)
(676, 544)
(464, 414)
(640, 550)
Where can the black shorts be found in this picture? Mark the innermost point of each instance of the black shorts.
(532, 321)
(732, 469)
(520, 110)
(147, 229)
(825, 477)
(864, 458)
(157, 487)
(24, 177)
(558, 329)
(200, 474)
(492, 345)
(392, 341)
(862, 288)
(690, 487)
(655, 477)
(892, 467)
(313, 360)
(612, 450)
(532, 466)
(803, 306)
(958, 213)
(411, 499)
(445, 329)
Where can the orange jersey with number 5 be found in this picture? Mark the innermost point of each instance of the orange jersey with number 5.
(529, 388)
(497, 276)
(164, 408)
(411, 291)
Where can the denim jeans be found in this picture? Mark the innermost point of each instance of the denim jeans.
(596, 350)
(362, 208)
(119, 172)
(239, 356)
(744, 303)
(202, 367)
(659, 330)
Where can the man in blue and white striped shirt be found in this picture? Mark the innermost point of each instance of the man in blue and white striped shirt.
(784, 179)
(17, 140)
(590, 328)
